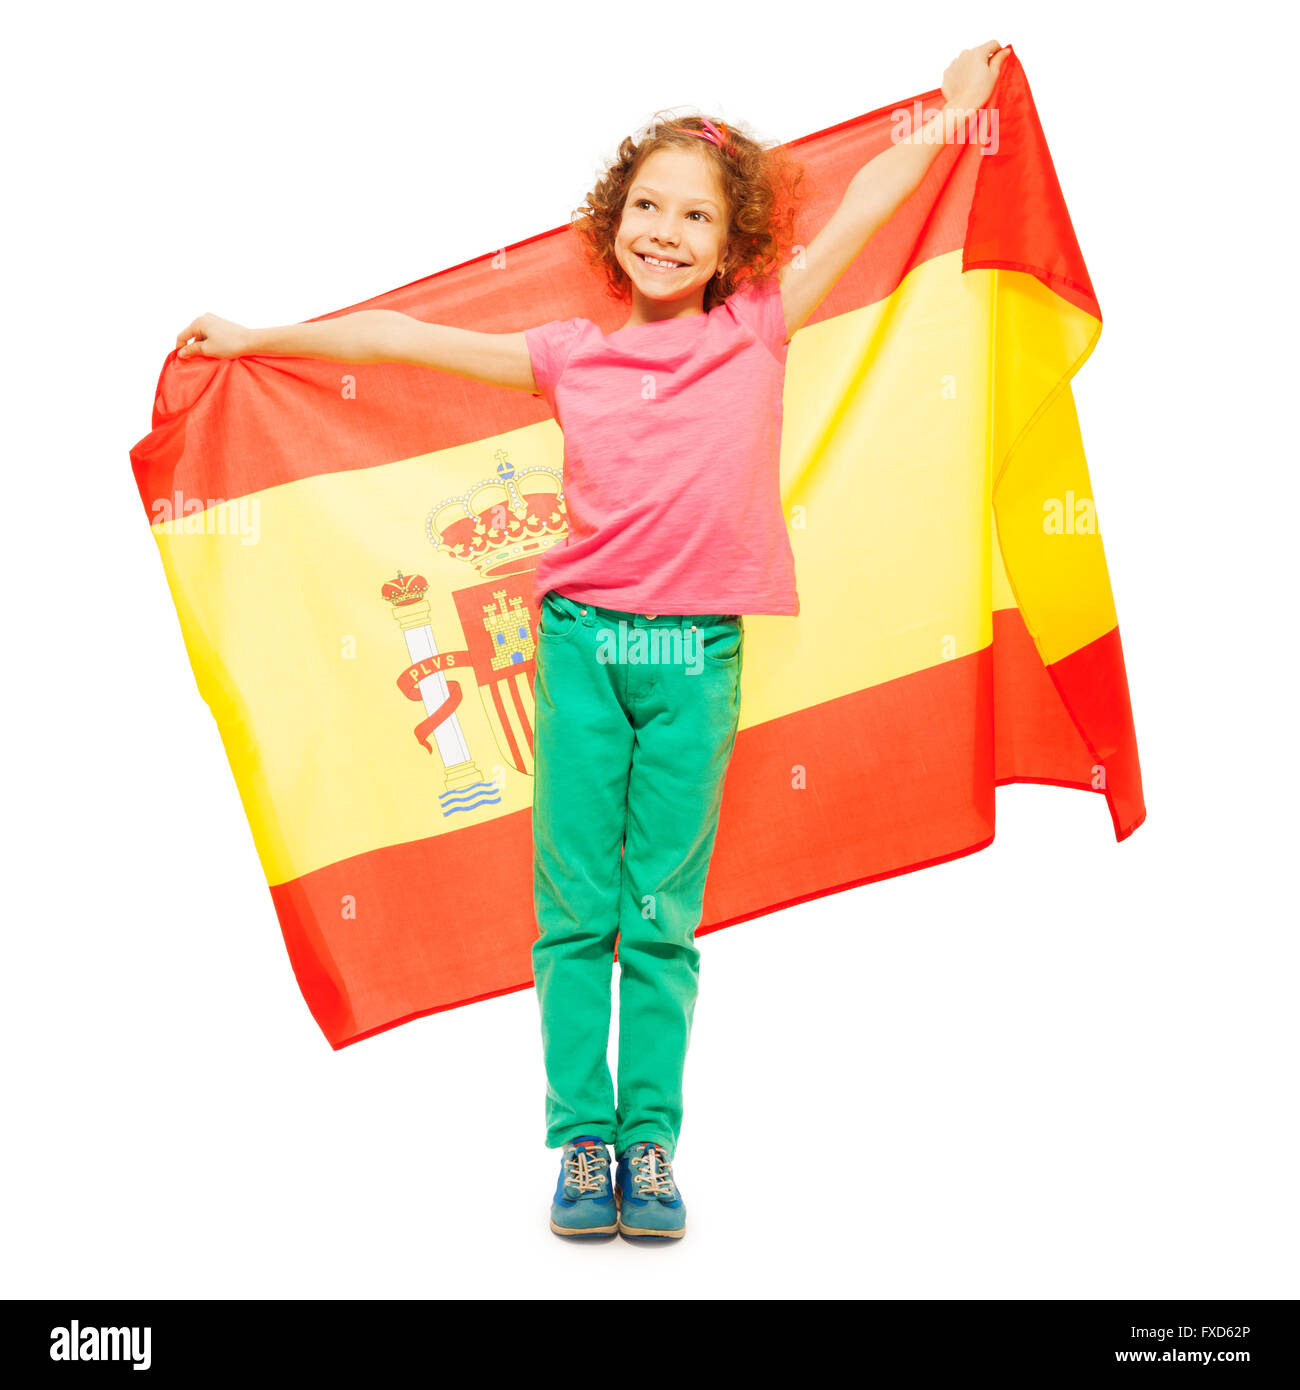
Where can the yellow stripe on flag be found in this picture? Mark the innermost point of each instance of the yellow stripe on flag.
(1047, 525)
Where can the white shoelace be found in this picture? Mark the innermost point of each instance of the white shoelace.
(586, 1172)
(654, 1174)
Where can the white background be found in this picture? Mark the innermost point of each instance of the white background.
(1061, 1067)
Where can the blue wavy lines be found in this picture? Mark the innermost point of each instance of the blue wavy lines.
(469, 797)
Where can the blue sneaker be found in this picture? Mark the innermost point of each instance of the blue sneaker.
(649, 1204)
(584, 1204)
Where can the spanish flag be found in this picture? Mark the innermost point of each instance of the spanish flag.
(350, 552)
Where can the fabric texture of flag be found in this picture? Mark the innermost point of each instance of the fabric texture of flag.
(350, 552)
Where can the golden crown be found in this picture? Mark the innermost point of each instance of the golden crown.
(501, 525)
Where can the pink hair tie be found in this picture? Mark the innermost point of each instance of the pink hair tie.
(719, 137)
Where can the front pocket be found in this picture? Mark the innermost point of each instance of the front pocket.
(720, 642)
(557, 617)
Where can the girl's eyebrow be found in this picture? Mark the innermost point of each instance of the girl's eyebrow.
(643, 188)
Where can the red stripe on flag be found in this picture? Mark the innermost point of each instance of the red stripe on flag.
(1093, 685)
(1018, 217)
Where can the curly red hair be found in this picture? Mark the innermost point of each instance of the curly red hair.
(763, 187)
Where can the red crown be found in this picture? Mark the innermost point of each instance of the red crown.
(406, 588)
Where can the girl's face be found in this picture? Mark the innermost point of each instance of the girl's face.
(675, 211)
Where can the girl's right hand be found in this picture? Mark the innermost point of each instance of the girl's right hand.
(213, 337)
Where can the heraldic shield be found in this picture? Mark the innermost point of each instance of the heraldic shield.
(498, 622)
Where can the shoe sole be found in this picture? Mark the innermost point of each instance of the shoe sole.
(642, 1232)
(585, 1230)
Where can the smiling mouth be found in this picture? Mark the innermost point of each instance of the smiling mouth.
(662, 265)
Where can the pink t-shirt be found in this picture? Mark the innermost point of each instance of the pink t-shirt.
(672, 442)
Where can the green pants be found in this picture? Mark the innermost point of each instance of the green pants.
(636, 719)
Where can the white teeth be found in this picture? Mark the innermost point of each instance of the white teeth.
(660, 265)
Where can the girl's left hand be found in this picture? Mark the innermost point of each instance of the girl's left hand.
(968, 80)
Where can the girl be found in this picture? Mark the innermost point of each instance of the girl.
(671, 477)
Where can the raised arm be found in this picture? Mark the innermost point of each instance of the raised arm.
(371, 335)
(884, 183)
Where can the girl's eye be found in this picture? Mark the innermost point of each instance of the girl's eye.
(646, 203)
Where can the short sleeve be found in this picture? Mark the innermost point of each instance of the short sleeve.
(549, 346)
(757, 304)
